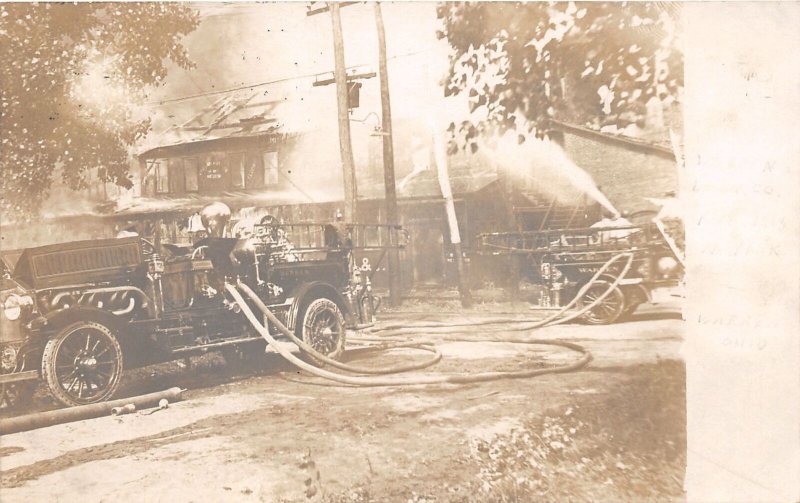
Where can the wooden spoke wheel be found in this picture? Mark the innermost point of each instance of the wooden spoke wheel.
(82, 364)
(323, 328)
(608, 310)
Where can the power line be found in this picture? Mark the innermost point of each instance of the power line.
(229, 90)
(262, 84)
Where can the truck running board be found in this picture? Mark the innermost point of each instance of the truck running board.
(203, 347)
(19, 376)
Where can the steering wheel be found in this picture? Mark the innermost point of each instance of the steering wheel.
(199, 253)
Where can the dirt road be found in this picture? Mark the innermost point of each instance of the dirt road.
(611, 431)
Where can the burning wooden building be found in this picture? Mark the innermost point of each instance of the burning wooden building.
(238, 154)
(237, 151)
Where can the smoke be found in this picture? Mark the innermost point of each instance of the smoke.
(62, 201)
(420, 162)
(312, 164)
(544, 168)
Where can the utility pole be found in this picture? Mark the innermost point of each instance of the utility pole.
(388, 161)
(345, 143)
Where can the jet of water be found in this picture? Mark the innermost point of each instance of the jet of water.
(545, 168)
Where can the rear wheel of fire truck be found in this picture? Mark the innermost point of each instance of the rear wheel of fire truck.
(323, 328)
(82, 364)
(628, 311)
(607, 310)
(634, 297)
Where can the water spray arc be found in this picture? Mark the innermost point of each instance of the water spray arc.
(545, 161)
(443, 177)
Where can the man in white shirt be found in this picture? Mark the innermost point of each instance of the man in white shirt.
(612, 223)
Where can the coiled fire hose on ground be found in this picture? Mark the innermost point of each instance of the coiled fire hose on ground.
(381, 346)
(378, 377)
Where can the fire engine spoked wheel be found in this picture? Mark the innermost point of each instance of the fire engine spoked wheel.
(323, 328)
(82, 364)
(607, 310)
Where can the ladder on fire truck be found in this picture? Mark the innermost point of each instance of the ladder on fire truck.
(554, 215)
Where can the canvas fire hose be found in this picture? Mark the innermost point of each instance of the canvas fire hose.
(365, 376)
(379, 377)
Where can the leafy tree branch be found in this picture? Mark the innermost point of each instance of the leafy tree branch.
(72, 76)
(525, 63)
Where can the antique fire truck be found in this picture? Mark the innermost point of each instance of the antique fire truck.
(74, 315)
(563, 261)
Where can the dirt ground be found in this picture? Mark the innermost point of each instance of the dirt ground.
(612, 431)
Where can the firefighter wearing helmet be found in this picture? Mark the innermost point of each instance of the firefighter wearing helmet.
(215, 218)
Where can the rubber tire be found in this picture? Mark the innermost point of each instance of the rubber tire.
(311, 308)
(628, 311)
(615, 294)
(634, 298)
(49, 358)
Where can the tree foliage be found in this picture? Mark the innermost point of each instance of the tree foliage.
(585, 62)
(72, 76)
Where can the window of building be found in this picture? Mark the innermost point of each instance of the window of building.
(237, 171)
(270, 168)
(191, 174)
(254, 171)
(214, 172)
(162, 176)
(176, 179)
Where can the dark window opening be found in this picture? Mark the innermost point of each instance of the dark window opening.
(176, 178)
(214, 173)
(270, 168)
(254, 171)
(191, 175)
(237, 171)
(162, 176)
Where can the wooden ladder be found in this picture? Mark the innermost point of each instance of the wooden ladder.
(547, 215)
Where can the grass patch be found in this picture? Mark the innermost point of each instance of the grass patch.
(628, 444)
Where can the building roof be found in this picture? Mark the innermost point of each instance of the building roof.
(234, 115)
(630, 172)
(636, 144)
(235, 199)
(426, 185)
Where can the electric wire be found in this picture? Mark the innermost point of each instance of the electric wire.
(254, 85)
